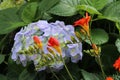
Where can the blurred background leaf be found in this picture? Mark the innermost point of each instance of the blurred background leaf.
(89, 76)
(25, 75)
(3, 77)
(118, 26)
(14, 70)
(65, 8)
(98, 4)
(9, 20)
(28, 13)
(2, 57)
(98, 36)
(89, 9)
(111, 12)
(117, 43)
(43, 7)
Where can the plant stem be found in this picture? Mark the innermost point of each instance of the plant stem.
(54, 75)
(68, 72)
(67, 69)
(99, 60)
(100, 63)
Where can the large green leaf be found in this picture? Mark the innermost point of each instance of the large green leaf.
(89, 76)
(118, 26)
(29, 12)
(98, 4)
(117, 43)
(99, 36)
(112, 12)
(9, 20)
(88, 8)
(2, 57)
(2, 77)
(43, 7)
(25, 75)
(65, 8)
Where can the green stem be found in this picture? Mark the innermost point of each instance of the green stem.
(68, 72)
(100, 63)
(67, 69)
(99, 60)
(54, 75)
(90, 40)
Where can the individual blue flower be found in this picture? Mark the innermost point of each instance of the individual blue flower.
(75, 51)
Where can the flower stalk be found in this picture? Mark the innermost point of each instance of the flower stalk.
(70, 75)
(84, 24)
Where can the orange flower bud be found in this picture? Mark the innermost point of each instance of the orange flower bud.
(37, 41)
(94, 46)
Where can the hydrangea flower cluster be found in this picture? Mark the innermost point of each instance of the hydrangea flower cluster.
(32, 44)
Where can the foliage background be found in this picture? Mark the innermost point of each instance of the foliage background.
(105, 29)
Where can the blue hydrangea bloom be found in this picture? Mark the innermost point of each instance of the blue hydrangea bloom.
(25, 50)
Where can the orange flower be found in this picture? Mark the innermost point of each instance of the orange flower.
(109, 78)
(117, 64)
(37, 41)
(84, 23)
(53, 42)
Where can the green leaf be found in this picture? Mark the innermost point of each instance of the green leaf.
(99, 36)
(46, 16)
(2, 57)
(89, 76)
(117, 43)
(98, 4)
(14, 70)
(65, 8)
(112, 12)
(2, 77)
(45, 5)
(25, 75)
(9, 20)
(29, 12)
(34, 0)
(88, 8)
(118, 26)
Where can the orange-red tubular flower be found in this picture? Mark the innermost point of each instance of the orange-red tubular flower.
(53, 42)
(84, 23)
(37, 41)
(109, 78)
(116, 65)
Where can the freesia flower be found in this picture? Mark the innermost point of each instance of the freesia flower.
(84, 23)
(116, 65)
(109, 78)
(37, 41)
(53, 42)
